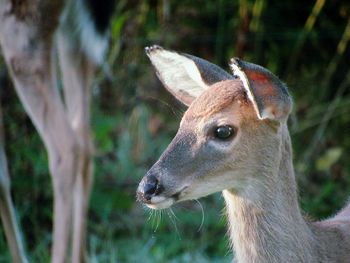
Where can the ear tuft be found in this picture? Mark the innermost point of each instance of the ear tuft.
(185, 76)
(268, 94)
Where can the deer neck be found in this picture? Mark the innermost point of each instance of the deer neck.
(267, 226)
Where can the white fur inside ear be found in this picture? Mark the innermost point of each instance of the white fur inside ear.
(179, 73)
(268, 113)
(242, 76)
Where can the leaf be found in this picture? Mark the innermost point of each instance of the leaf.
(325, 162)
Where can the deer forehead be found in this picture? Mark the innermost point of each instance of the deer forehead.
(227, 97)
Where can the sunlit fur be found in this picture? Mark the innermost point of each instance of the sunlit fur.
(256, 174)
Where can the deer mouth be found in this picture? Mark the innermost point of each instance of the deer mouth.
(163, 202)
(160, 202)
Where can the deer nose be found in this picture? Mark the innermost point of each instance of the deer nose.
(148, 188)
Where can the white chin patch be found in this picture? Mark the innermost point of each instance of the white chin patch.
(160, 202)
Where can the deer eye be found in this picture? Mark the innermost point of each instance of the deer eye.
(223, 132)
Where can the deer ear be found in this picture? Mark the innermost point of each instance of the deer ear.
(184, 76)
(268, 94)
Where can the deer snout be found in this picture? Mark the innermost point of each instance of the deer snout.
(149, 187)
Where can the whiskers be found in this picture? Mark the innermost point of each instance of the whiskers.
(155, 218)
(173, 218)
(203, 215)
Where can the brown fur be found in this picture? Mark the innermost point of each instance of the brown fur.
(221, 96)
(254, 169)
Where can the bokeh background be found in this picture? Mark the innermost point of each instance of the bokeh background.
(306, 43)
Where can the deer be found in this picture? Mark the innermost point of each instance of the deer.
(234, 138)
(52, 50)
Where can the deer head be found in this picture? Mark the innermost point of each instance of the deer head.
(230, 132)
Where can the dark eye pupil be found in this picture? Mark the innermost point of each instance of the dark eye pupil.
(223, 132)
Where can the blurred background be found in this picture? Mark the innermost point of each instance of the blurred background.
(305, 43)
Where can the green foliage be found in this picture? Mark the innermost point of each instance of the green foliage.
(134, 119)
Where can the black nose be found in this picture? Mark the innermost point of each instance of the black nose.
(148, 188)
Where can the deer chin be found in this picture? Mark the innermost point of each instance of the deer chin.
(161, 202)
